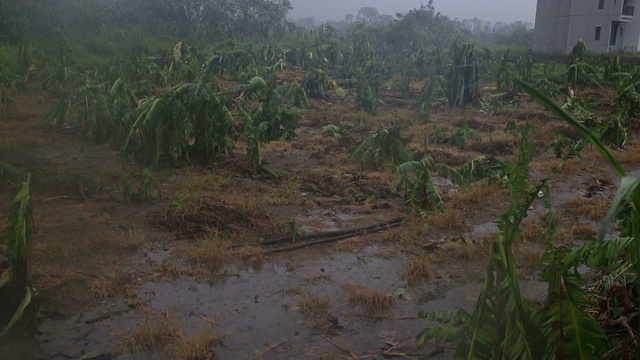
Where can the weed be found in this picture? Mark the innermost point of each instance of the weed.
(293, 229)
(372, 301)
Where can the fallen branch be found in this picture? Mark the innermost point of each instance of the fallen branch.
(334, 238)
(330, 234)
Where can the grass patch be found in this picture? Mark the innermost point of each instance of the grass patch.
(532, 231)
(198, 346)
(417, 269)
(156, 334)
(529, 255)
(582, 232)
(285, 194)
(315, 307)
(130, 240)
(452, 219)
(251, 255)
(371, 301)
(594, 208)
(463, 250)
(191, 184)
(166, 331)
(315, 279)
(630, 154)
(478, 194)
(211, 254)
(112, 284)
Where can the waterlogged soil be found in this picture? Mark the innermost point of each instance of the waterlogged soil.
(105, 268)
(260, 312)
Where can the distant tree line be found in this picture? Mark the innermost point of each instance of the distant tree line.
(215, 19)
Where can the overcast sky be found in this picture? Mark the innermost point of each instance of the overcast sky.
(492, 10)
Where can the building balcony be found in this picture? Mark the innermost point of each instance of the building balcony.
(627, 13)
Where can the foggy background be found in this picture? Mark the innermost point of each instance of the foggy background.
(491, 10)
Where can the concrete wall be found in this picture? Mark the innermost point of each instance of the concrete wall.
(631, 38)
(560, 24)
(547, 27)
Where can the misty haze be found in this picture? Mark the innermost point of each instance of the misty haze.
(491, 10)
(321, 180)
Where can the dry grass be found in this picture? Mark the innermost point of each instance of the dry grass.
(594, 208)
(198, 346)
(582, 231)
(452, 219)
(156, 334)
(130, 240)
(43, 252)
(285, 194)
(532, 231)
(191, 184)
(372, 301)
(405, 115)
(630, 155)
(250, 255)
(478, 194)
(166, 329)
(528, 256)
(417, 269)
(463, 250)
(315, 279)
(315, 307)
(112, 284)
(211, 254)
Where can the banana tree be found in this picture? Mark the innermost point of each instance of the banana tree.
(419, 188)
(189, 121)
(268, 114)
(386, 144)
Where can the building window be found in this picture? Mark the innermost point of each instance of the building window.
(598, 32)
(601, 4)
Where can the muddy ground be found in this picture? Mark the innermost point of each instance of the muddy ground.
(184, 275)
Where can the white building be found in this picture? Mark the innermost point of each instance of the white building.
(605, 25)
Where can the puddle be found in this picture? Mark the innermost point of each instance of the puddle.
(259, 310)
